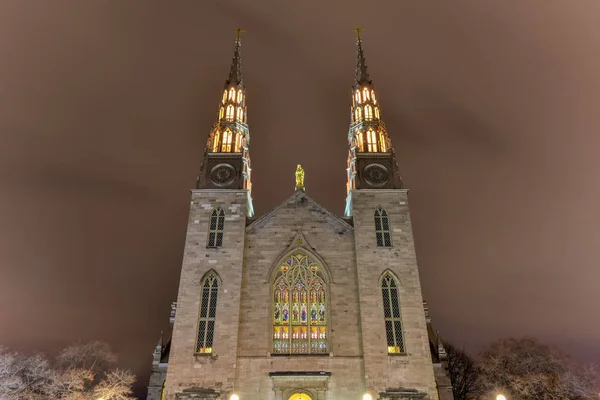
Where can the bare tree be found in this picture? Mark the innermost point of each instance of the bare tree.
(79, 372)
(463, 373)
(528, 370)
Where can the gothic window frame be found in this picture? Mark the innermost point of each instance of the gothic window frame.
(207, 314)
(371, 141)
(383, 230)
(224, 96)
(368, 113)
(240, 96)
(373, 97)
(232, 94)
(357, 96)
(382, 144)
(313, 340)
(226, 141)
(366, 94)
(230, 113)
(392, 313)
(357, 114)
(216, 138)
(216, 228)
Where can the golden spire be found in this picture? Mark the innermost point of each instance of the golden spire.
(239, 31)
(358, 31)
(299, 178)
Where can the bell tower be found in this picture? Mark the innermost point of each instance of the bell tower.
(226, 162)
(371, 160)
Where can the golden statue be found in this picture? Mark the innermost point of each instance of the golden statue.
(299, 177)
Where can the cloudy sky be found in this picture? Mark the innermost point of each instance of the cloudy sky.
(105, 107)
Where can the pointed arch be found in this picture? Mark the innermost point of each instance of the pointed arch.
(216, 138)
(240, 96)
(230, 113)
(373, 97)
(226, 142)
(371, 141)
(357, 96)
(368, 112)
(232, 94)
(216, 227)
(382, 144)
(224, 96)
(210, 284)
(366, 94)
(392, 315)
(383, 234)
(357, 114)
(299, 305)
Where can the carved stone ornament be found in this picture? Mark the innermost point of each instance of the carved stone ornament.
(376, 175)
(222, 174)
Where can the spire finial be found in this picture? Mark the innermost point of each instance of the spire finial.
(238, 31)
(358, 31)
(235, 74)
(362, 76)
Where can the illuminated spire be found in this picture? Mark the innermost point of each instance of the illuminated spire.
(235, 73)
(362, 75)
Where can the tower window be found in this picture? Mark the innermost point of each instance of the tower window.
(226, 146)
(240, 96)
(240, 114)
(391, 313)
(208, 311)
(215, 146)
(373, 97)
(382, 228)
(366, 94)
(299, 308)
(382, 143)
(357, 114)
(357, 97)
(361, 143)
(221, 112)
(377, 113)
(371, 141)
(368, 112)
(215, 228)
(230, 111)
(232, 94)
(238, 142)
(224, 96)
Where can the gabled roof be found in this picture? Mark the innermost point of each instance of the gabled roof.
(297, 197)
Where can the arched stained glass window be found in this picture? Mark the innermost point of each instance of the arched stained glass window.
(373, 97)
(216, 139)
(357, 96)
(371, 141)
(368, 112)
(391, 313)
(382, 145)
(377, 116)
(299, 308)
(208, 311)
(357, 114)
(216, 227)
(240, 96)
(224, 96)
(361, 144)
(232, 94)
(230, 113)
(382, 228)
(366, 94)
(226, 146)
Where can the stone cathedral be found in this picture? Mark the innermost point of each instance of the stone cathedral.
(299, 303)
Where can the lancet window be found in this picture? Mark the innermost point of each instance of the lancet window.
(382, 143)
(238, 142)
(216, 227)
(382, 228)
(224, 96)
(240, 96)
(208, 310)
(232, 94)
(368, 112)
(240, 114)
(371, 141)
(299, 307)
(357, 114)
(216, 138)
(230, 113)
(226, 146)
(221, 113)
(361, 144)
(391, 313)
(373, 97)
(377, 116)
(366, 94)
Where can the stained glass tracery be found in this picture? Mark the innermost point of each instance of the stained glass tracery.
(208, 311)
(382, 228)
(216, 227)
(391, 313)
(299, 308)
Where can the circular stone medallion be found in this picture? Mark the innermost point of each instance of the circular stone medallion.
(222, 174)
(376, 175)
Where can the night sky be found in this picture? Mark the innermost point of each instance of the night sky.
(105, 107)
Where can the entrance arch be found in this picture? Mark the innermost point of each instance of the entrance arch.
(299, 396)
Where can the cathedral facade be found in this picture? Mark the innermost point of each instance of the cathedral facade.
(299, 303)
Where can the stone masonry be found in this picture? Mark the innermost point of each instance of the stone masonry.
(345, 249)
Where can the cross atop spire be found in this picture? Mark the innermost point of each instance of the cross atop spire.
(235, 73)
(362, 76)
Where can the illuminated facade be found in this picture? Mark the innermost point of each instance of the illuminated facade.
(299, 304)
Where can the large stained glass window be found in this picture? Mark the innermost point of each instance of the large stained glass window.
(382, 228)
(215, 228)
(391, 313)
(208, 311)
(299, 308)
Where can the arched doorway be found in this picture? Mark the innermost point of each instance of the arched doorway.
(299, 396)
